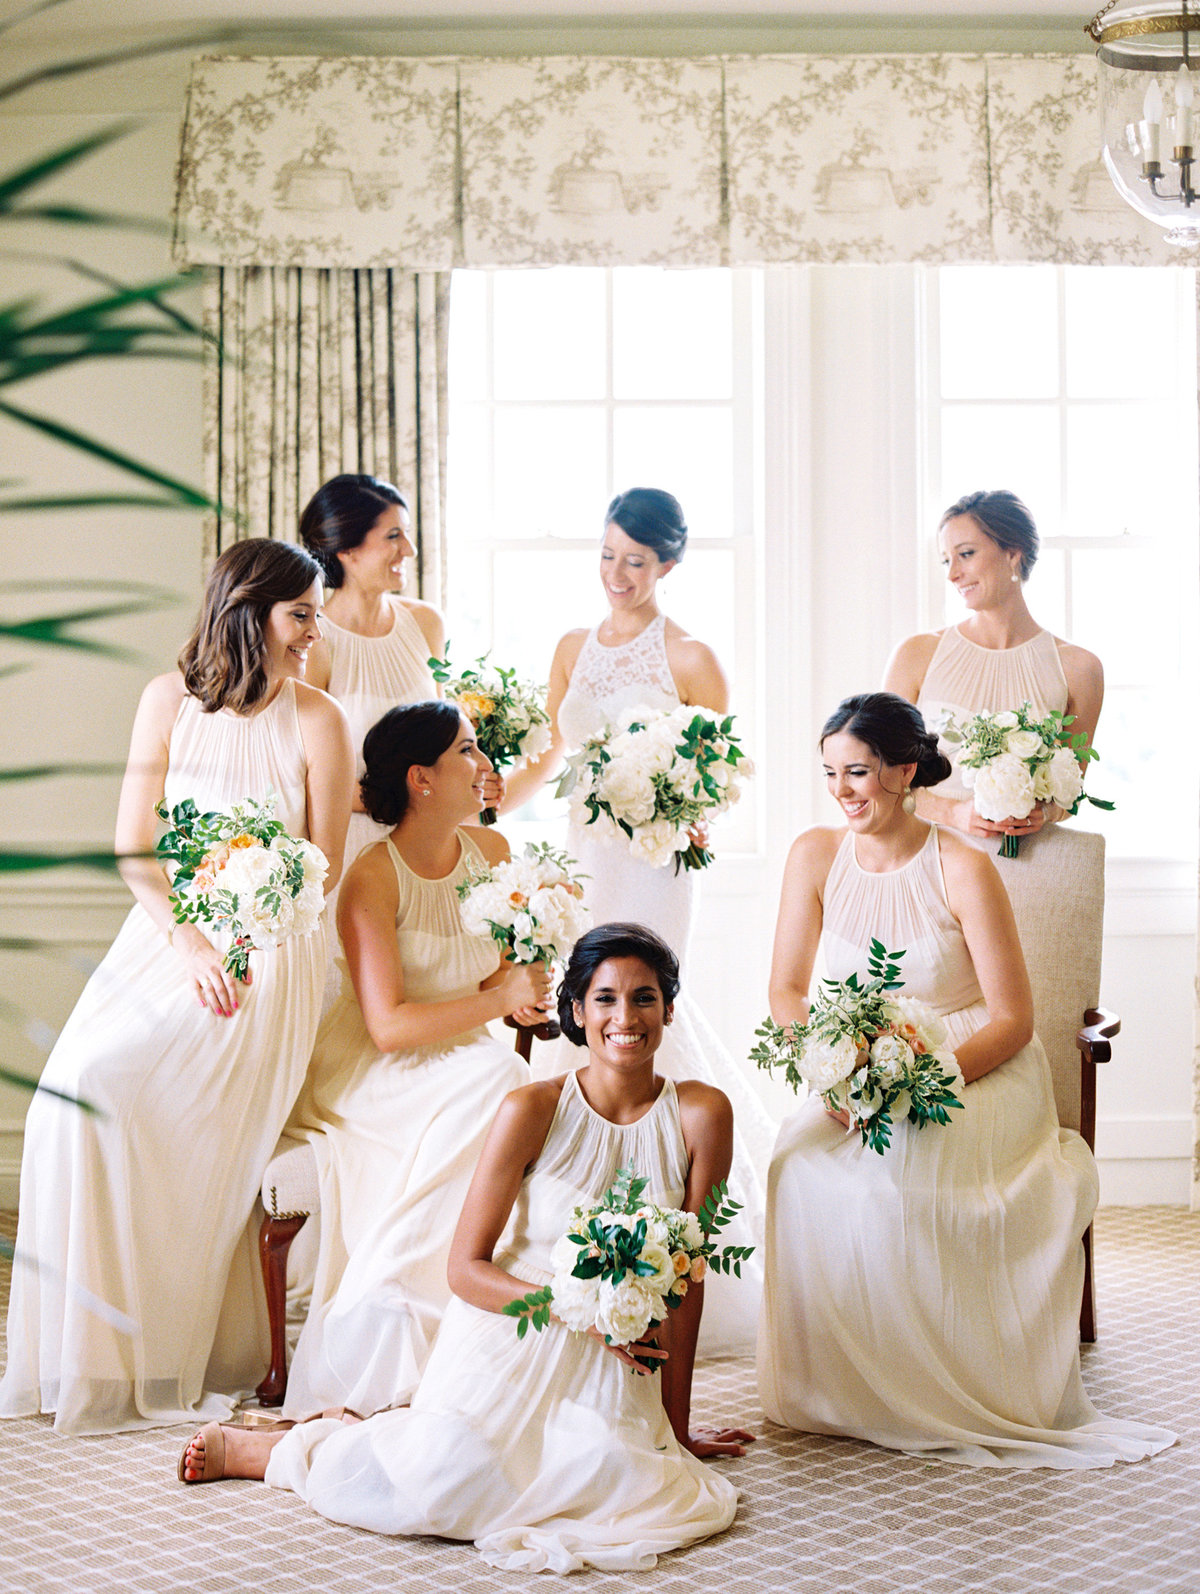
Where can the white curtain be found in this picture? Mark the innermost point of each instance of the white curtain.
(314, 372)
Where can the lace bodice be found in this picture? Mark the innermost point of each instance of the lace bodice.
(221, 759)
(965, 679)
(605, 681)
(576, 1165)
(905, 909)
(440, 958)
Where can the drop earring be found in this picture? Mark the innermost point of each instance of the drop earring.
(908, 802)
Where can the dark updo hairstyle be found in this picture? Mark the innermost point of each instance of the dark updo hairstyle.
(339, 515)
(893, 729)
(619, 940)
(653, 518)
(1001, 516)
(414, 733)
(224, 660)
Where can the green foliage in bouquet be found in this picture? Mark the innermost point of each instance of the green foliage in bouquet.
(509, 715)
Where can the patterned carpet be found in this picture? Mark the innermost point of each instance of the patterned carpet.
(820, 1515)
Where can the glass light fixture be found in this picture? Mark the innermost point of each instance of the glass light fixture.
(1149, 59)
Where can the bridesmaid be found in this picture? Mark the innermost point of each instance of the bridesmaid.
(141, 1302)
(998, 657)
(637, 655)
(405, 1078)
(926, 1299)
(376, 643)
(556, 1452)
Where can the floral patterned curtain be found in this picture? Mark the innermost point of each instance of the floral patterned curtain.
(314, 372)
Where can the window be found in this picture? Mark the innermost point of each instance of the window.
(566, 386)
(1076, 387)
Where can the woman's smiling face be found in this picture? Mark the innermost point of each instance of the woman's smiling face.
(976, 566)
(623, 1013)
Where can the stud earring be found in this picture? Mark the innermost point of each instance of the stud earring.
(1016, 575)
(908, 802)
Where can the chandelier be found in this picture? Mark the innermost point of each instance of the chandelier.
(1149, 59)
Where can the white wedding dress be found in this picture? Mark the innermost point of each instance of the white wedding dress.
(143, 1303)
(545, 1451)
(396, 1136)
(605, 682)
(928, 1299)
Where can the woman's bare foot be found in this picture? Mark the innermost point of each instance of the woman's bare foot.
(230, 1452)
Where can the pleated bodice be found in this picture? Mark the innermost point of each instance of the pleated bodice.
(579, 1160)
(965, 679)
(221, 759)
(370, 674)
(907, 910)
(441, 959)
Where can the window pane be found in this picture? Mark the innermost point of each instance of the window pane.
(1124, 472)
(550, 333)
(699, 595)
(999, 331)
(994, 445)
(550, 471)
(672, 334)
(1121, 611)
(1122, 332)
(468, 352)
(687, 451)
(1135, 728)
(539, 595)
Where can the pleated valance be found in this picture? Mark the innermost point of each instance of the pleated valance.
(426, 164)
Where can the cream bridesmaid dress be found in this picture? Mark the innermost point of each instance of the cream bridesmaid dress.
(605, 682)
(928, 1299)
(396, 1136)
(544, 1451)
(964, 679)
(140, 1301)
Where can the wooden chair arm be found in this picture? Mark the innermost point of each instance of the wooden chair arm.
(1099, 1027)
(527, 1033)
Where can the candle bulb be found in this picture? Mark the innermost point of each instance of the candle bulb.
(1183, 108)
(1152, 107)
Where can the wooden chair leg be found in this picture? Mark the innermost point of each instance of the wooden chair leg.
(274, 1242)
(1087, 1310)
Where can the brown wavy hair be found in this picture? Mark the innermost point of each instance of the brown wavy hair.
(224, 660)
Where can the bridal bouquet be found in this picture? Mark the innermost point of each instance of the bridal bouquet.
(531, 905)
(653, 776)
(244, 872)
(1012, 761)
(624, 1263)
(509, 716)
(878, 1057)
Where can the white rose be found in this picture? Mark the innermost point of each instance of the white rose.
(1007, 721)
(892, 1057)
(827, 1063)
(626, 788)
(1065, 778)
(655, 844)
(576, 1302)
(535, 741)
(1003, 788)
(865, 1097)
(624, 1311)
(693, 1234)
(1025, 744)
(564, 1253)
(909, 1010)
(664, 1275)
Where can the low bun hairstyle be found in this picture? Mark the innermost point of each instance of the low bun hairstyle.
(619, 940)
(652, 517)
(1001, 516)
(339, 515)
(893, 729)
(414, 733)
(224, 662)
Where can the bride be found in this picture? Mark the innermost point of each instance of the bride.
(637, 656)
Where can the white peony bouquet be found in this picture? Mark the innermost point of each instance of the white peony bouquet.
(244, 872)
(877, 1056)
(509, 715)
(1010, 761)
(532, 905)
(653, 776)
(624, 1263)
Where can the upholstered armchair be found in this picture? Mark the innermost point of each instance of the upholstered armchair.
(1056, 886)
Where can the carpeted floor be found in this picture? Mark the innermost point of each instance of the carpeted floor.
(820, 1515)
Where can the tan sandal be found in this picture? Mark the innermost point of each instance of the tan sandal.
(214, 1455)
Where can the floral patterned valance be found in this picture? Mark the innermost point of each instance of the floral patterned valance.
(428, 164)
